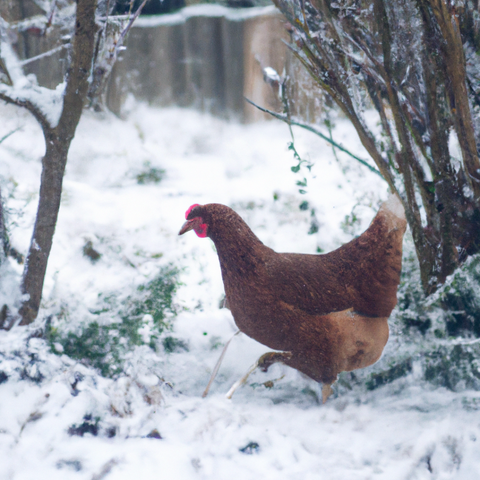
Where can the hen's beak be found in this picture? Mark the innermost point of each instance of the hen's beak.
(187, 226)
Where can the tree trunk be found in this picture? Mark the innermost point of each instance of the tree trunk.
(54, 163)
(58, 141)
(3, 233)
(406, 59)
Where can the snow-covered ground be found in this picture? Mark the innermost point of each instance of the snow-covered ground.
(406, 430)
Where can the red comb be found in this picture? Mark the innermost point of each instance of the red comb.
(187, 213)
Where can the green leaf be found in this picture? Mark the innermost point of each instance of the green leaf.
(302, 183)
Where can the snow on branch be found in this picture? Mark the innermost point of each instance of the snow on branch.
(43, 103)
(109, 44)
(42, 55)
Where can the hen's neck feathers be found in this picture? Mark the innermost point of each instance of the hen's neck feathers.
(237, 246)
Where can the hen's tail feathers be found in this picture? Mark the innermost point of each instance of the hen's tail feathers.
(394, 211)
(395, 206)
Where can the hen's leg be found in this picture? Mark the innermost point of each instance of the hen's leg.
(326, 391)
(217, 366)
(269, 358)
(263, 363)
(284, 357)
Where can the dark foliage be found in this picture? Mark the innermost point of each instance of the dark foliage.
(387, 376)
(251, 448)
(154, 434)
(90, 252)
(89, 425)
(152, 7)
(172, 344)
(104, 345)
(452, 366)
(150, 175)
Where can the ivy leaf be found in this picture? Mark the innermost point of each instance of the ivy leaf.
(302, 183)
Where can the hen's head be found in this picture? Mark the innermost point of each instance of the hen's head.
(195, 221)
(221, 224)
(215, 221)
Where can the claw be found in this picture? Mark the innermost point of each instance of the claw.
(326, 392)
(269, 358)
(264, 363)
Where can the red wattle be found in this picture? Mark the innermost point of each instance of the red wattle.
(190, 209)
(202, 230)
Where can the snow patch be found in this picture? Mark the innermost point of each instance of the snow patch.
(204, 10)
(395, 206)
(59, 419)
(49, 102)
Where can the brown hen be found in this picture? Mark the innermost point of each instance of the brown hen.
(324, 313)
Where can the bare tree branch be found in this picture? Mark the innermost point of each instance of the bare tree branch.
(31, 107)
(406, 59)
(42, 55)
(290, 121)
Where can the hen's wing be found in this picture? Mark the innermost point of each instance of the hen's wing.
(362, 274)
(311, 283)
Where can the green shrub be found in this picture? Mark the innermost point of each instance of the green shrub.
(138, 320)
(150, 175)
(460, 300)
(156, 297)
(453, 311)
(449, 365)
(172, 344)
(399, 370)
(413, 312)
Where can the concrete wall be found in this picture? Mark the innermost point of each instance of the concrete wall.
(207, 57)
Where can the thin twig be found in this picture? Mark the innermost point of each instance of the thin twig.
(10, 133)
(285, 119)
(241, 381)
(217, 365)
(42, 55)
(129, 25)
(329, 126)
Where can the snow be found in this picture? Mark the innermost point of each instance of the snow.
(395, 206)
(25, 88)
(405, 430)
(48, 102)
(204, 10)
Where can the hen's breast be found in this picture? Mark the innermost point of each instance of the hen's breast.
(256, 308)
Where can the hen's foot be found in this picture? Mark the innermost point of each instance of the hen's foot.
(269, 358)
(263, 362)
